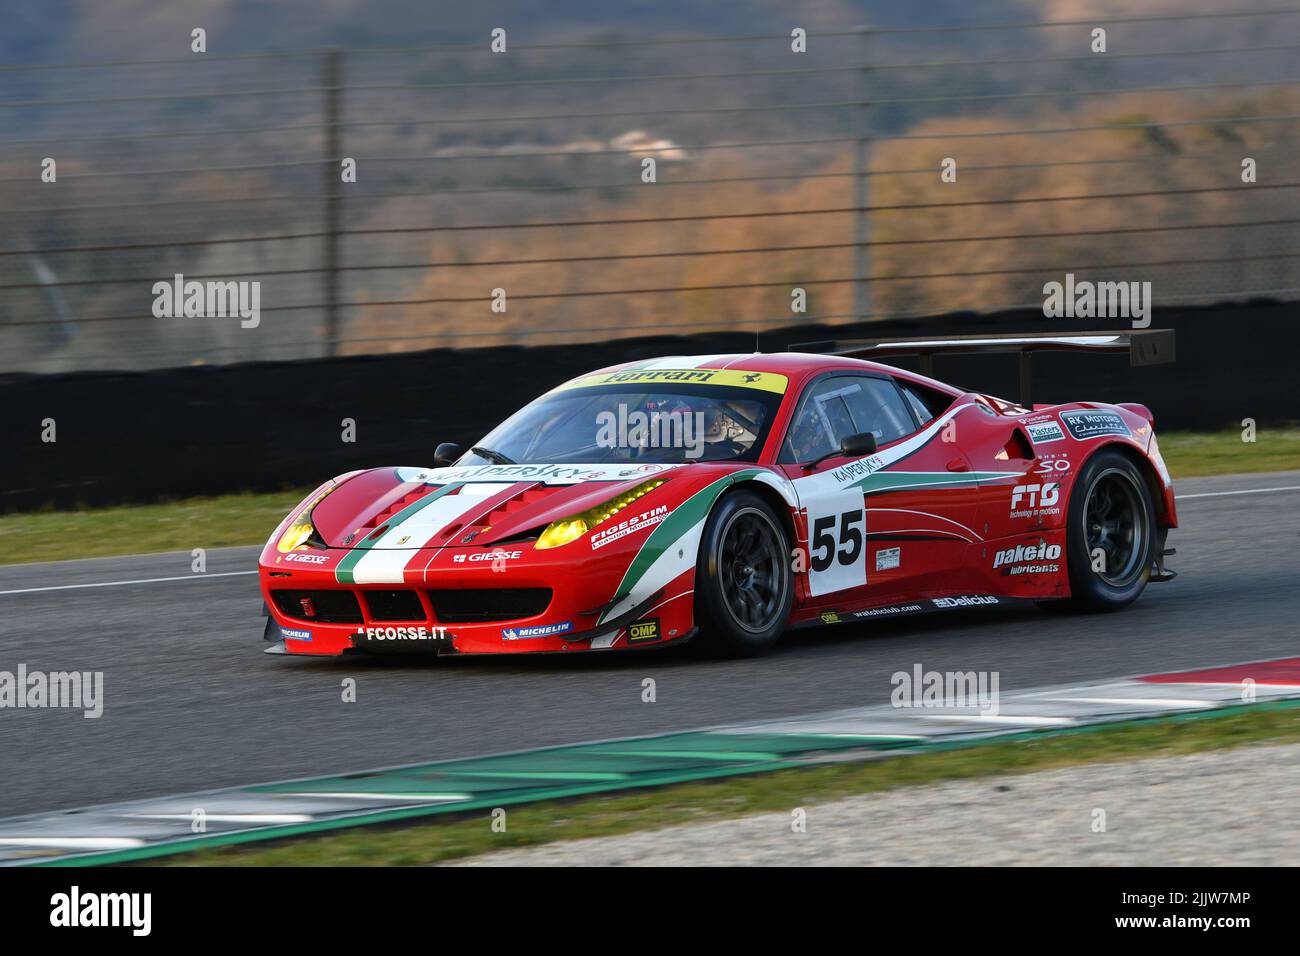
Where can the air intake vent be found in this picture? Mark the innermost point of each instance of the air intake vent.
(394, 606)
(484, 605)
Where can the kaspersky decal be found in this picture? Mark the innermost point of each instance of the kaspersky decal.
(565, 474)
(373, 559)
(672, 547)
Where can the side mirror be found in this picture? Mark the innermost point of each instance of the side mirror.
(447, 452)
(856, 446)
(851, 446)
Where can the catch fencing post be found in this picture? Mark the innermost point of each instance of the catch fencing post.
(331, 80)
(862, 193)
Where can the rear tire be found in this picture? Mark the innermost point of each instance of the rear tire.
(743, 581)
(1111, 533)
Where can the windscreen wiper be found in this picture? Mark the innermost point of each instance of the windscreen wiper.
(493, 456)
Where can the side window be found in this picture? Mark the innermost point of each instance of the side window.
(844, 405)
(923, 414)
(926, 402)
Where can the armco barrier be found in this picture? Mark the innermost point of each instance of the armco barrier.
(210, 430)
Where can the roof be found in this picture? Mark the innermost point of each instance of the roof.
(795, 365)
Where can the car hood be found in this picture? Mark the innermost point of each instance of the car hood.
(409, 508)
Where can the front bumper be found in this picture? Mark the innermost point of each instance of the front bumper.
(448, 603)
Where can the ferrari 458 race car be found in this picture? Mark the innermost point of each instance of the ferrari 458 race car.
(732, 497)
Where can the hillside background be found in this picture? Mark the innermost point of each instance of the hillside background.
(224, 165)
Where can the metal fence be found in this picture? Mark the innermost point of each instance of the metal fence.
(519, 178)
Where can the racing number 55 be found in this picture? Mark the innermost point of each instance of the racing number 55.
(837, 543)
(824, 551)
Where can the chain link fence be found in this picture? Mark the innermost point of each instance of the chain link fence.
(506, 197)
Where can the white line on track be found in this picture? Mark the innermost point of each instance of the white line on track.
(227, 574)
(114, 584)
(1244, 491)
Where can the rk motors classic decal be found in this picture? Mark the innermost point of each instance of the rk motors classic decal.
(1084, 425)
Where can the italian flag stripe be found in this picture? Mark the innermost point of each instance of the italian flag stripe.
(344, 573)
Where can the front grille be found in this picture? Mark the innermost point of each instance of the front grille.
(332, 607)
(480, 605)
(394, 606)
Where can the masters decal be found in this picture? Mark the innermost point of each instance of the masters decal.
(1043, 433)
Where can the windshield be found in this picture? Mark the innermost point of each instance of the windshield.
(659, 423)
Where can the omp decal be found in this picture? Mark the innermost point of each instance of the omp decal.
(732, 378)
(645, 630)
(567, 474)
(346, 572)
(672, 548)
(1084, 425)
(888, 558)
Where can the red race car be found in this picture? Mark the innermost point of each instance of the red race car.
(733, 497)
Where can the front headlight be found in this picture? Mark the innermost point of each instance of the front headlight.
(302, 530)
(570, 529)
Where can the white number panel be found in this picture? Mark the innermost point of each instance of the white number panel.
(837, 545)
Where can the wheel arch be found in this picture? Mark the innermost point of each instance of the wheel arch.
(1145, 468)
(773, 497)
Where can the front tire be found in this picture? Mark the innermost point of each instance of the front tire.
(743, 580)
(1111, 533)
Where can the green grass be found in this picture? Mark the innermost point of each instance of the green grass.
(137, 529)
(531, 825)
(249, 518)
(1195, 454)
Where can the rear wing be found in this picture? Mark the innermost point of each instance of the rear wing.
(1144, 347)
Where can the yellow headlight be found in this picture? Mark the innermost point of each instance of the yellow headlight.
(570, 529)
(297, 533)
(562, 532)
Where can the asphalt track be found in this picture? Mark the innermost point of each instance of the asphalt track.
(191, 702)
